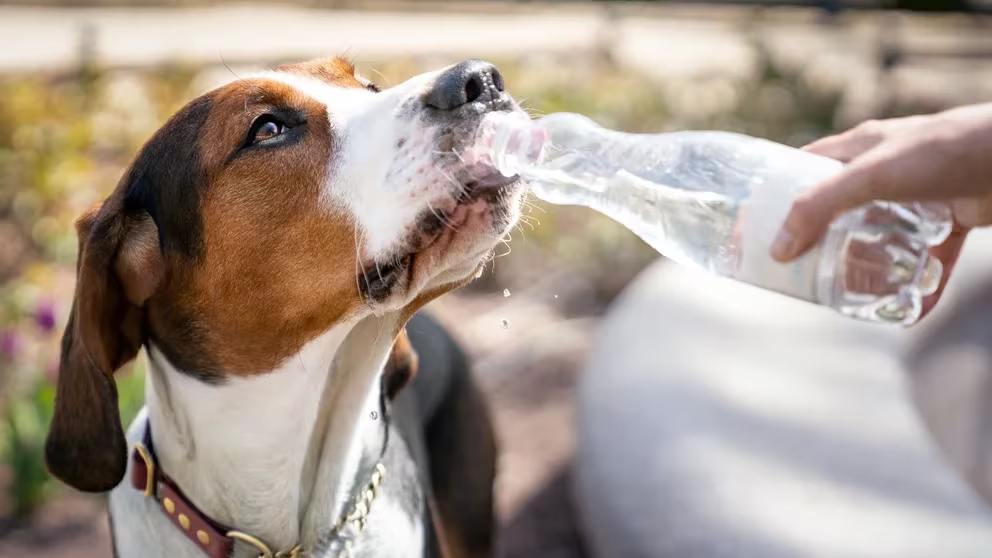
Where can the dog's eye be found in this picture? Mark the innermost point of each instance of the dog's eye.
(280, 127)
(269, 130)
(266, 128)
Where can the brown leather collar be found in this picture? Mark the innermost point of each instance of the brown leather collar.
(147, 477)
(216, 539)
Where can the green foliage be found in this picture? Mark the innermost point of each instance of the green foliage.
(131, 390)
(26, 422)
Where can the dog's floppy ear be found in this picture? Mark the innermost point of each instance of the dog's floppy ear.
(401, 366)
(119, 267)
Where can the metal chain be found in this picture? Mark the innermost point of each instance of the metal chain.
(353, 523)
(345, 530)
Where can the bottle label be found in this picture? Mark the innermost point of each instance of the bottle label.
(758, 223)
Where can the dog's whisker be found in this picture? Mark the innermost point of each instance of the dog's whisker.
(443, 221)
(460, 156)
(490, 259)
(452, 152)
(388, 83)
(375, 343)
(378, 271)
(506, 242)
(451, 179)
(224, 62)
(529, 110)
(350, 54)
(462, 190)
(530, 204)
(310, 376)
(361, 267)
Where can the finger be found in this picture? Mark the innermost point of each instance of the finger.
(973, 212)
(948, 254)
(813, 210)
(845, 147)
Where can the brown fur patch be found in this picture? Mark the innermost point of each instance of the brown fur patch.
(335, 71)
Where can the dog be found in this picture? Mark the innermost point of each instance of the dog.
(268, 247)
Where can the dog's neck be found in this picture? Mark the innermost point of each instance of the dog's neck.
(275, 455)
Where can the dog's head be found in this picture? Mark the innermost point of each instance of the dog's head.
(261, 215)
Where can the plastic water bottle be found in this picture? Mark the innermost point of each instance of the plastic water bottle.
(716, 200)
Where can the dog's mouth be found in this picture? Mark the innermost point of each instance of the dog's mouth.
(491, 182)
(484, 191)
(470, 229)
(487, 195)
(454, 232)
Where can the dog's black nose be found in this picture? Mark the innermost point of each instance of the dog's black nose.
(468, 82)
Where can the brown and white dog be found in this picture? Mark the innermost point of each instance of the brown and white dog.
(267, 247)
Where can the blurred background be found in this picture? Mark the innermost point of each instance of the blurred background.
(84, 82)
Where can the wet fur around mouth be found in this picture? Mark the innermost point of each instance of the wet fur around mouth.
(494, 192)
(381, 280)
(476, 183)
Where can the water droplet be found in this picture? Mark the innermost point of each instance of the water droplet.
(374, 415)
(556, 296)
(506, 293)
(504, 324)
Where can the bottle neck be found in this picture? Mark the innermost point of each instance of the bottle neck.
(511, 143)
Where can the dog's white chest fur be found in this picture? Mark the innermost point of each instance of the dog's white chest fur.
(140, 527)
(276, 456)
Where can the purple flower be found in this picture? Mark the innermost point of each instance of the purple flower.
(44, 316)
(10, 343)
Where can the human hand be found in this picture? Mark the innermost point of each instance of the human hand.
(941, 157)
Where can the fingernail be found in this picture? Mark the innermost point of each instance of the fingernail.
(966, 212)
(785, 246)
